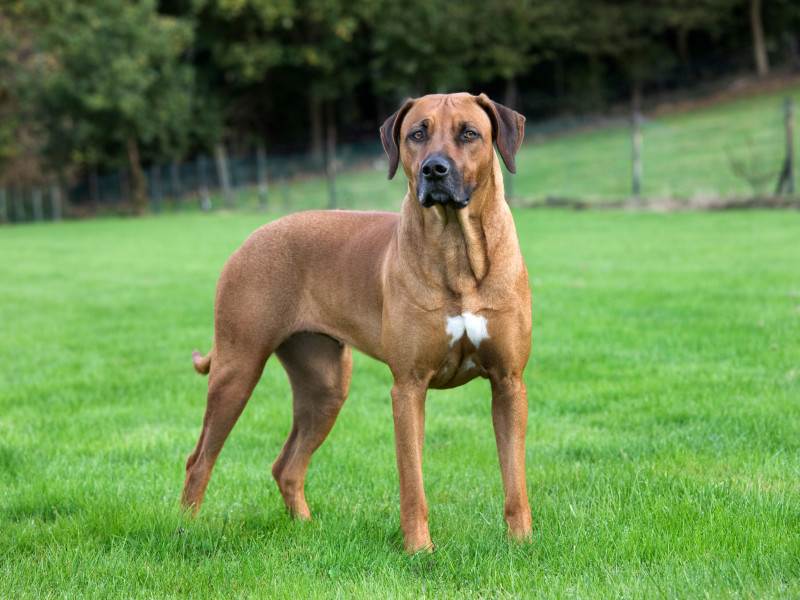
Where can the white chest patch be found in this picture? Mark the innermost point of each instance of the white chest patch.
(473, 325)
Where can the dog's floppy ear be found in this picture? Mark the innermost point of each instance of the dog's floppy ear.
(390, 131)
(508, 128)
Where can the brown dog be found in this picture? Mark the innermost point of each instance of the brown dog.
(439, 292)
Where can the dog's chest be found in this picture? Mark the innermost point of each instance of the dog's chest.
(460, 358)
(469, 325)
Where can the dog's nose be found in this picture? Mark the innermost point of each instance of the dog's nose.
(435, 167)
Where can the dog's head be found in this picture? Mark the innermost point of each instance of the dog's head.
(445, 142)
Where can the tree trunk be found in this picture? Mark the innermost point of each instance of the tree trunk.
(595, 82)
(261, 173)
(759, 46)
(224, 175)
(331, 153)
(94, 191)
(683, 52)
(794, 52)
(511, 99)
(315, 125)
(137, 183)
(175, 183)
(558, 79)
(55, 200)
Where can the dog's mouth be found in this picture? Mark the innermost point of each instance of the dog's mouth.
(430, 195)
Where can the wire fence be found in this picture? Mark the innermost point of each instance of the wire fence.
(706, 153)
(742, 151)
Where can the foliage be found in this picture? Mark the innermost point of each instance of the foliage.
(117, 74)
(108, 73)
(21, 135)
(85, 80)
(423, 47)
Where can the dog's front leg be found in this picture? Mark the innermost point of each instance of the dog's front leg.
(408, 408)
(510, 419)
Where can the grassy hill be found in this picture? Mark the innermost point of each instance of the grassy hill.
(688, 152)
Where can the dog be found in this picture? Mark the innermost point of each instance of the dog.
(439, 292)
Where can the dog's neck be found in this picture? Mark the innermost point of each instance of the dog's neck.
(460, 244)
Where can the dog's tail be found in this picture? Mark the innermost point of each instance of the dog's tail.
(202, 364)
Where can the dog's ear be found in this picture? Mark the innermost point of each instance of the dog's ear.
(390, 131)
(508, 128)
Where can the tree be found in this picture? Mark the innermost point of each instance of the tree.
(100, 84)
(421, 47)
(116, 81)
(684, 17)
(21, 136)
(328, 46)
(258, 48)
(520, 34)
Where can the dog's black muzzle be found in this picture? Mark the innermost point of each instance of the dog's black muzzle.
(439, 182)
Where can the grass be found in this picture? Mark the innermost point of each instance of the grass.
(663, 450)
(685, 154)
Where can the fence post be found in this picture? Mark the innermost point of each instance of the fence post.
(282, 185)
(125, 188)
(205, 200)
(36, 203)
(93, 191)
(508, 185)
(3, 206)
(55, 200)
(155, 187)
(19, 205)
(263, 186)
(175, 176)
(786, 179)
(224, 175)
(636, 143)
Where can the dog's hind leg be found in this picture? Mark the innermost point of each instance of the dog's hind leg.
(319, 370)
(234, 375)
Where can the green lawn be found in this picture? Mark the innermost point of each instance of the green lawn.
(663, 448)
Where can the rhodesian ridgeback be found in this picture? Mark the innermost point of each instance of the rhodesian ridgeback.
(439, 292)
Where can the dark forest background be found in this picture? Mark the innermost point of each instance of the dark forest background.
(109, 84)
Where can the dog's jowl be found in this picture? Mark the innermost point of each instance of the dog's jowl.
(439, 292)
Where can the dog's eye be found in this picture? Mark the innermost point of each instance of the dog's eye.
(469, 134)
(418, 134)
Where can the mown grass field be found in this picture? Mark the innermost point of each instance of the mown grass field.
(663, 448)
